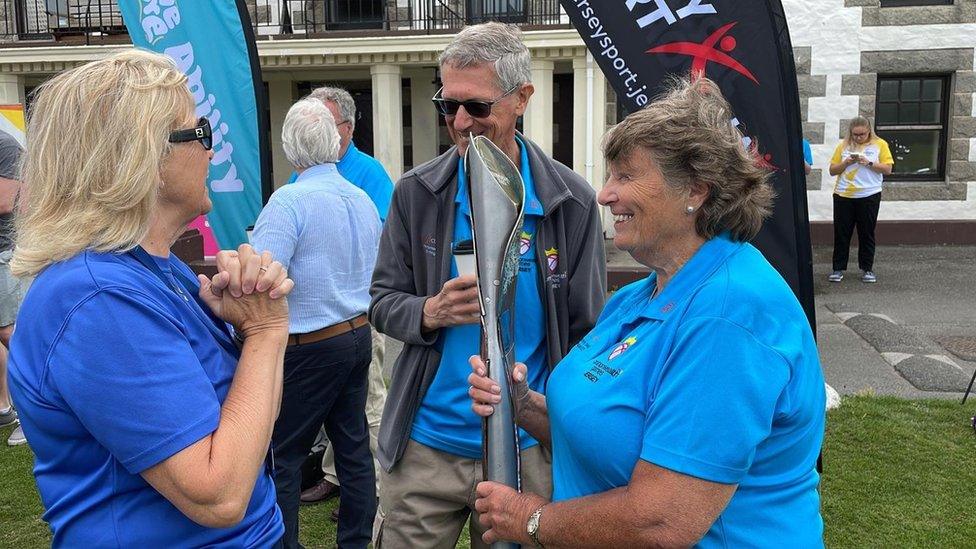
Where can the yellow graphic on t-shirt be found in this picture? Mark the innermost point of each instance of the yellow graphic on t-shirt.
(858, 180)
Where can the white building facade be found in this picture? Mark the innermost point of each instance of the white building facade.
(907, 63)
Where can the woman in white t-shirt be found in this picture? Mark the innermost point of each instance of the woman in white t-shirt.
(860, 162)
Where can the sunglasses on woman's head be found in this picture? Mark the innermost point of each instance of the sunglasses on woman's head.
(475, 109)
(202, 133)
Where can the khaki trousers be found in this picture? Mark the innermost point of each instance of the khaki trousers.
(375, 399)
(430, 494)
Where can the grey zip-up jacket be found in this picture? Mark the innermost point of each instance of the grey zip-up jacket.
(414, 263)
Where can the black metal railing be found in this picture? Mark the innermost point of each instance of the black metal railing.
(56, 19)
(315, 17)
(95, 21)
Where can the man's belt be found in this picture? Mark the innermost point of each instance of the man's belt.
(328, 331)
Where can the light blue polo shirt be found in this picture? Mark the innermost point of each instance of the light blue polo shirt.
(365, 172)
(717, 378)
(444, 420)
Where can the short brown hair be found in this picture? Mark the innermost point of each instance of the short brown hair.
(688, 132)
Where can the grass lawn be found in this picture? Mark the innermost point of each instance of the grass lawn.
(898, 473)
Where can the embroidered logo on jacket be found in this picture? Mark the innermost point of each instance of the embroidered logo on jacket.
(552, 259)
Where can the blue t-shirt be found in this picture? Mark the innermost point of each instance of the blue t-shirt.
(113, 372)
(444, 420)
(365, 172)
(717, 378)
(807, 152)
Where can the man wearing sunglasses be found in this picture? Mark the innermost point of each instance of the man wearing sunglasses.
(430, 440)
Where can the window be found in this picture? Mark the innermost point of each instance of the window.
(353, 14)
(911, 115)
(505, 11)
(903, 3)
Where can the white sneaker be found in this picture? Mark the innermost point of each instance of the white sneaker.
(17, 437)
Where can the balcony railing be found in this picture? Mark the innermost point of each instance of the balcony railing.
(99, 21)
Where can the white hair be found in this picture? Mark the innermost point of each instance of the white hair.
(493, 43)
(309, 136)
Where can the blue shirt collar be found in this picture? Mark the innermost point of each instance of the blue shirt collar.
(314, 171)
(351, 151)
(709, 257)
(533, 206)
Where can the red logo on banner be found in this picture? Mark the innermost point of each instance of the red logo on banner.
(702, 53)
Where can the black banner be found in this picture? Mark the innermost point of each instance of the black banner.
(744, 46)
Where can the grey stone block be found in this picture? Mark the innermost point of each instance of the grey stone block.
(861, 3)
(812, 85)
(859, 84)
(842, 128)
(815, 179)
(930, 374)
(959, 149)
(898, 191)
(961, 170)
(865, 105)
(962, 127)
(961, 104)
(960, 12)
(804, 108)
(907, 61)
(965, 82)
(814, 132)
(801, 58)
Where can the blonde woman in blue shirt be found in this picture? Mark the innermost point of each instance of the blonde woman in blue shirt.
(860, 162)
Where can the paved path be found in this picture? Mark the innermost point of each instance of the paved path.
(908, 335)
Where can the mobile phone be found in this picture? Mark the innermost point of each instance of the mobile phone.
(856, 156)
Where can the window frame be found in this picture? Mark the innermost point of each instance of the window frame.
(942, 127)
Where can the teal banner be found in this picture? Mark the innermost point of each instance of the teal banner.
(212, 43)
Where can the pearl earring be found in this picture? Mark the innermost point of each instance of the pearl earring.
(689, 210)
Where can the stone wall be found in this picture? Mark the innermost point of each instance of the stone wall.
(840, 48)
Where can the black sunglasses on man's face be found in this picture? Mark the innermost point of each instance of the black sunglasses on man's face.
(475, 109)
(201, 133)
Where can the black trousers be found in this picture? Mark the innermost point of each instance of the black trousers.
(325, 382)
(848, 214)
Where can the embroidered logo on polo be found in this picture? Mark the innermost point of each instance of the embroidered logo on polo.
(525, 242)
(619, 349)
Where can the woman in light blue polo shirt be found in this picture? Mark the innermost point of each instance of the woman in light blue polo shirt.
(693, 412)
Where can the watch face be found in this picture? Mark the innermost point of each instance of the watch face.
(533, 524)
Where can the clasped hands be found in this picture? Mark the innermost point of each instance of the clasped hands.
(248, 291)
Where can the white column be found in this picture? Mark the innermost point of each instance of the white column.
(537, 122)
(388, 118)
(279, 101)
(11, 89)
(590, 104)
(423, 116)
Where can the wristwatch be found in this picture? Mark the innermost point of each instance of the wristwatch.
(532, 526)
(870, 164)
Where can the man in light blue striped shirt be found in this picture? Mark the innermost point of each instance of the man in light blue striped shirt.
(325, 231)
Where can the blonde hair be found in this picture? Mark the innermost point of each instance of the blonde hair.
(97, 136)
(857, 122)
(688, 133)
